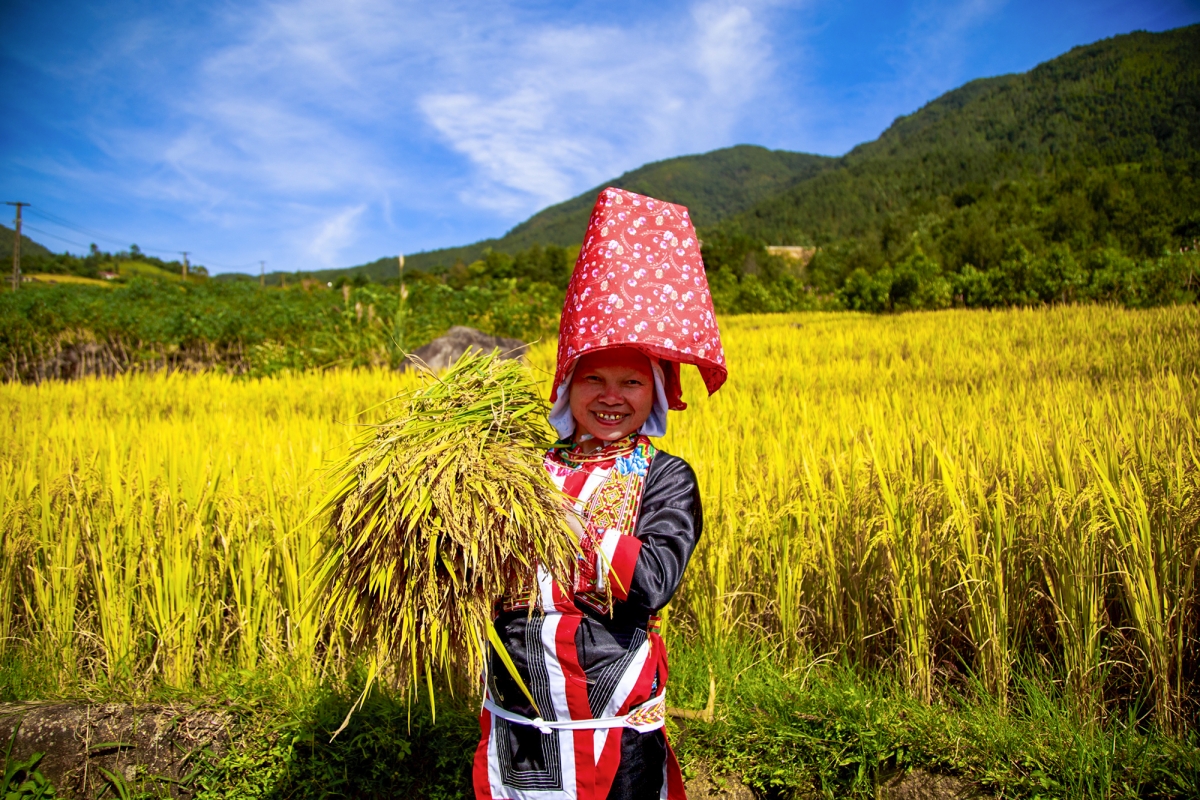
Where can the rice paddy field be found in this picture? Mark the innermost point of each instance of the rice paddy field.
(961, 540)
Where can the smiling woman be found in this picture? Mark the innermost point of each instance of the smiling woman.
(592, 724)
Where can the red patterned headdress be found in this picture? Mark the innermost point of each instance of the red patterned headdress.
(639, 282)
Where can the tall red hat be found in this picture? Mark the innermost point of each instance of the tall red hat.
(639, 282)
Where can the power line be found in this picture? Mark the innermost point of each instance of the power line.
(205, 262)
(57, 220)
(64, 223)
(64, 239)
(29, 227)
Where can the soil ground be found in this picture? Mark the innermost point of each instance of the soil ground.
(141, 746)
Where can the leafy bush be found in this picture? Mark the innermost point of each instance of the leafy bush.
(247, 329)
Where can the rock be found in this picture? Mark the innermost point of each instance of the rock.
(704, 785)
(920, 784)
(154, 747)
(445, 350)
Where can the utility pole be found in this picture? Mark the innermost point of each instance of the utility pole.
(184, 253)
(400, 309)
(16, 276)
(262, 274)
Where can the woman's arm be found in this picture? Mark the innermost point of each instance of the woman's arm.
(648, 567)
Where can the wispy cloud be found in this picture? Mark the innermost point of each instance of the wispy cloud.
(582, 103)
(312, 105)
(334, 233)
(264, 116)
(930, 57)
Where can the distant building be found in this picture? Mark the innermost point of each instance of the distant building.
(801, 254)
(110, 276)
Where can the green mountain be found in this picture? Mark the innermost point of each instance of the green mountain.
(1089, 157)
(1098, 149)
(713, 186)
(29, 248)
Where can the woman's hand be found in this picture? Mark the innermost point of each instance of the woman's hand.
(575, 524)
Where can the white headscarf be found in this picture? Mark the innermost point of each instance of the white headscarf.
(655, 424)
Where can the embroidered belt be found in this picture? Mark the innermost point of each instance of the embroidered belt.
(649, 716)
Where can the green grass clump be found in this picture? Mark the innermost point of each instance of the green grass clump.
(803, 726)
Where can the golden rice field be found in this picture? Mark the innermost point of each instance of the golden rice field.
(949, 495)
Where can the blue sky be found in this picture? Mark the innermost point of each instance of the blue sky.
(315, 134)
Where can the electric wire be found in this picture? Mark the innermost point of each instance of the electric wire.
(25, 226)
(54, 219)
(57, 220)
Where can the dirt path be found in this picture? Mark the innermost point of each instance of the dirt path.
(153, 747)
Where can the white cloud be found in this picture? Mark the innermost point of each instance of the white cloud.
(581, 104)
(513, 141)
(334, 233)
(284, 110)
(731, 51)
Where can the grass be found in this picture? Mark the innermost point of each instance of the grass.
(130, 269)
(823, 728)
(45, 277)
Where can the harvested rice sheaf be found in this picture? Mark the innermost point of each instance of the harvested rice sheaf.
(439, 511)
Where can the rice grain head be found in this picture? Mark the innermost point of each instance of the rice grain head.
(436, 513)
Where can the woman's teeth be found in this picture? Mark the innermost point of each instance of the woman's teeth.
(608, 417)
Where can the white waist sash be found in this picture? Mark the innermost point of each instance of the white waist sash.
(649, 716)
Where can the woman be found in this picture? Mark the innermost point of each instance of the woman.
(590, 655)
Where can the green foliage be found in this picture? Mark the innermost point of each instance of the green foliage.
(21, 780)
(247, 329)
(391, 748)
(789, 726)
(126, 262)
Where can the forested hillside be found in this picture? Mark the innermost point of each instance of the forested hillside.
(1014, 189)
(28, 248)
(713, 186)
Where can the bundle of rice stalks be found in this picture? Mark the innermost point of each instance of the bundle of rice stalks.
(437, 512)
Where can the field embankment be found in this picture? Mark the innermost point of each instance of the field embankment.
(965, 540)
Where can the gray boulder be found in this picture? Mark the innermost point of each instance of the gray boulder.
(445, 350)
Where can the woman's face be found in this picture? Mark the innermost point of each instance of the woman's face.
(612, 393)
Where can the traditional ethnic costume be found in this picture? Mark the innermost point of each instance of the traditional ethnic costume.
(590, 654)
